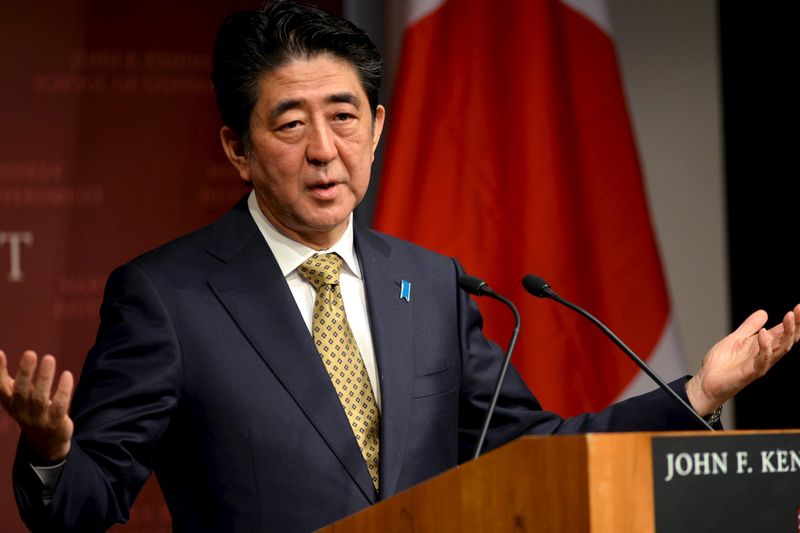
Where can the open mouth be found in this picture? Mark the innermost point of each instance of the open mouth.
(323, 186)
(324, 191)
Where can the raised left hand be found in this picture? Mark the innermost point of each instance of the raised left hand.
(740, 358)
(42, 414)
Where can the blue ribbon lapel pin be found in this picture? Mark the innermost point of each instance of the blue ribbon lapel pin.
(405, 290)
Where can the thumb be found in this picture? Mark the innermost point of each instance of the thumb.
(752, 324)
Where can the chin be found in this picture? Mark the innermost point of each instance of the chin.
(323, 227)
(330, 218)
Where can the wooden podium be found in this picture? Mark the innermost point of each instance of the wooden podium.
(594, 482)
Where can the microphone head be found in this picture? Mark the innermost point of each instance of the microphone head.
(536, 286)
(473, 285)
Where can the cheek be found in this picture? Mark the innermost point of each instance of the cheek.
(277, 156)
(276, 173)
(359, 156)
(361, 182)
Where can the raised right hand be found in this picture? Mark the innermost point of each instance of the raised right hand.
(42, 418)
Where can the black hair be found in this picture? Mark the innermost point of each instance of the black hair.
(251, 43)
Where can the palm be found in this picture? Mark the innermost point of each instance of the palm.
(42, 417)
(741, 357)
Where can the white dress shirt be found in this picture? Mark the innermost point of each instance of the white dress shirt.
(291, 254)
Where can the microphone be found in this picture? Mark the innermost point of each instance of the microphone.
(478, 287)
(540, 288)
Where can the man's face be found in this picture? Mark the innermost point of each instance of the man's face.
(313, 142)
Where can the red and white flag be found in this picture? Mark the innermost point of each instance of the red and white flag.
(509, 148)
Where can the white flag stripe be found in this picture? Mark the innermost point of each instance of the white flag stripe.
(594, 10)
(416, 9)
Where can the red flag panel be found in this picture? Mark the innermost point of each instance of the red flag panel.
(510, 148)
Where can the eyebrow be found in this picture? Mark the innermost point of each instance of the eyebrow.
(293, 103)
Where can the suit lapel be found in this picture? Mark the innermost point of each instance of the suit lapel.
(391, 323)
(253, 290)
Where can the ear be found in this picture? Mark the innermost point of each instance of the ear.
(377, 127)
(233, 147)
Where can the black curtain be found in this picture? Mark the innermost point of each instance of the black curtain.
(760, 58)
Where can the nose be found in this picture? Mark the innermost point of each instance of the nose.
(321, 148)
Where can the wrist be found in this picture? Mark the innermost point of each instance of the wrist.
(700, 402)
(50, 456)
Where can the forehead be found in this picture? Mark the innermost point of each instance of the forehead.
(309, 80)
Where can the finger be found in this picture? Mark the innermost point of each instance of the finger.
(61, 398)
(761, 362)
(24, 378)
(753, 323)
(40, 395)
(783, 334)
(6, 383)
(796, 312)
(789, 328)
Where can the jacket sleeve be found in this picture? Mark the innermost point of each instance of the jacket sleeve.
(129, 386)
(518, 412)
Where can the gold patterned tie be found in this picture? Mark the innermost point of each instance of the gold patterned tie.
(341, 356)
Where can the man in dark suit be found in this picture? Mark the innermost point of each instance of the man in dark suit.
(263, 396)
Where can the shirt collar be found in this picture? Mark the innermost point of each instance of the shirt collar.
(290, 254)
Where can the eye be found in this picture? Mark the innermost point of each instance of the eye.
(290, 125)
(343, 117)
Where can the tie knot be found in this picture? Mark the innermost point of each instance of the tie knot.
(322, 270)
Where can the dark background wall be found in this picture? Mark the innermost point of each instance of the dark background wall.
(760, 49)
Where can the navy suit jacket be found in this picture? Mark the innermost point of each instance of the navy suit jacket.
(204, 372)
